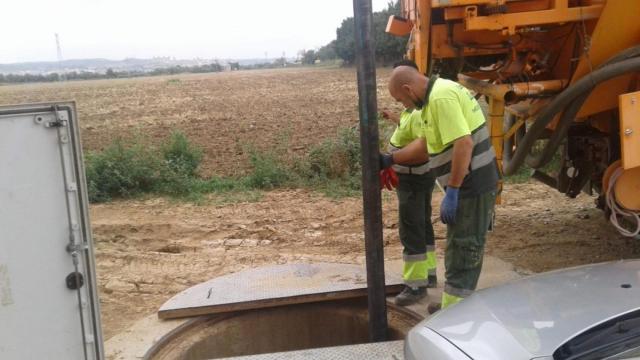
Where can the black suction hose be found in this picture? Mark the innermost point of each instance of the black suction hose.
(570, 114)
(570, 100)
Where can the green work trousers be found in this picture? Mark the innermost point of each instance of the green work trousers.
(416, 230)
(465, 246)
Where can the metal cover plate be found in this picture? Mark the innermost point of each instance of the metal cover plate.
(273, 286)
(389, 350)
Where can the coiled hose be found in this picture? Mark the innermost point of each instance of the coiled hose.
(617, 210)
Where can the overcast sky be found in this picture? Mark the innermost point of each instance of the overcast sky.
(116, 29)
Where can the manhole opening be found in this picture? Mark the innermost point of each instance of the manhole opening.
(286, 328)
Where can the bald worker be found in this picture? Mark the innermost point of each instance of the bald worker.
(462, 159)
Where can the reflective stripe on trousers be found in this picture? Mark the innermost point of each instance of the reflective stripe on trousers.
(448, 300)
(452, 295)
(417, 268)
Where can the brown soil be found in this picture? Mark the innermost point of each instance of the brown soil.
(150, 249)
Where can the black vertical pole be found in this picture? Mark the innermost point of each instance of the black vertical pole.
(370, 181)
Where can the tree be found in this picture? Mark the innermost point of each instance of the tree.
(280, 62)
(389, 48)
(309, 57)
(327, 52)
(53, 77)
(345, 41)
(110, 73)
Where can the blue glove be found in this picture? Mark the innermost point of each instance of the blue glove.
(386, 161)
(449, 206)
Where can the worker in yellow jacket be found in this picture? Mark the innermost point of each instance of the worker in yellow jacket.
(414, 190)
(462, 159)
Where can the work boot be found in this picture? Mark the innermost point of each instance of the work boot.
(433, 307)
(410, 295)
(432, 281)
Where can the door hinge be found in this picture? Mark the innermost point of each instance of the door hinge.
(56, 124)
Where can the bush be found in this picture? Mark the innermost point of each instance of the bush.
(333, 166)
(126, 169)
(121, 171)
(268, 170)
(181, 160)
(337, 158)
(181, 156)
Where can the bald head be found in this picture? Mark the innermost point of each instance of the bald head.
(403, 75)
(408, 86)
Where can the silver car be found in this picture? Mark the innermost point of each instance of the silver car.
(587, 312)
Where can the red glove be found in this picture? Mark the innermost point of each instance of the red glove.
(388, 179)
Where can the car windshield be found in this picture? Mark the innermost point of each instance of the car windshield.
(617, 338)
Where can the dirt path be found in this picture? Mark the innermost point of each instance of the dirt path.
(150, 250)
(540, 229)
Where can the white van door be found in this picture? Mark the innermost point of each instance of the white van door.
(48, 301)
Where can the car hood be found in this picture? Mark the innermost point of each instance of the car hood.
(532, 317)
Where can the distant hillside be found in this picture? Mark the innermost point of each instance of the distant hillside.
(102, 65)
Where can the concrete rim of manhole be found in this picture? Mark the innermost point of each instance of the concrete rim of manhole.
(277, 329)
